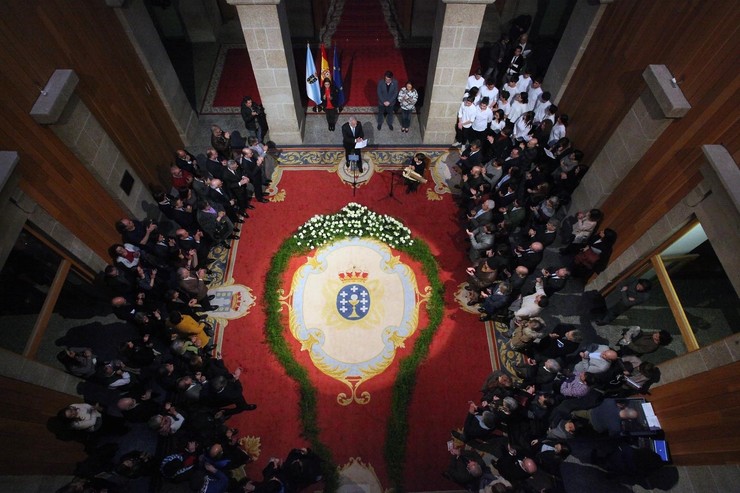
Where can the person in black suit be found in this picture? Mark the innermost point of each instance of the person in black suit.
(553, 280)
(514, 468)
(186, 161)
(236, 182)
(222, 393)
(221, 196)
(562, 342)
(251, 166)
(351, 134)
(213, 164)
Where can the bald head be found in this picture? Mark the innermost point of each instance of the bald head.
(536, 246)
(529, 466)
(216, 451)
(609, 355)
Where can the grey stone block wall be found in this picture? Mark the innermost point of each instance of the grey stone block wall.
(581, 26)
(143, 35)
(82, 133)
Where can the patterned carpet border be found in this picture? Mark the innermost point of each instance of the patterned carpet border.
(207, 107)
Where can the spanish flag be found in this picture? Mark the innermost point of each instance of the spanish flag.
(325, 69)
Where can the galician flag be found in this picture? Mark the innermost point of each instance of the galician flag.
(325, 70)
(338, 78)
(313, 90)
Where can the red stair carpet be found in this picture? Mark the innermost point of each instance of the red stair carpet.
(457, 364)
(234, 77)
(367, 51)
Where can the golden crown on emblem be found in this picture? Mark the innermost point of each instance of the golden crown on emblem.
(353, 275)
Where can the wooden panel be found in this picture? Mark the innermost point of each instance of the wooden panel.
(24, 418)
(88, 38)
(700, 46)
(701, 416)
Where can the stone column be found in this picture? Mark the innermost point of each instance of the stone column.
(581, 26)
(660, 102)
(195, 19)
(138, 25)
(75, 125)
(12, 217)
(719, 212)
(456, 34)
(265, 28)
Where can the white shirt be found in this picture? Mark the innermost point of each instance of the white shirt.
(482, 118)
(517, 110)
(557, 133)
(511, 90)
(540, 109)
(491, 94)
(467, 114)
(523, 84)
(522, 129)
(473, 82)
(530, 308)
(534, 95)
(505, 107)
(497, 126)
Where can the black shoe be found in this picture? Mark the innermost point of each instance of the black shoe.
(226, 246)
(250, 206)
(390, 127)
(473, 302)
(379, 126)
(239, 221)
(211, 297)
(482, 310)
(250, 407)
(232, 237)
(235, 230)
(263, 200)
(485, 318)
(212, 308)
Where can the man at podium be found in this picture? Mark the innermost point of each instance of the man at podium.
(352, 134)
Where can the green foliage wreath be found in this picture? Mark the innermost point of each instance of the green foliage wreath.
(354, 220)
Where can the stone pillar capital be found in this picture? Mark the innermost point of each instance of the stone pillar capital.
(664, 88)
(55, 96)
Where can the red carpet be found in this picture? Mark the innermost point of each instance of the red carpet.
(457, 364)
(237, 79)
(367, 50)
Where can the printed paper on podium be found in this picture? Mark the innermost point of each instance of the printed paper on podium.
(361, 144)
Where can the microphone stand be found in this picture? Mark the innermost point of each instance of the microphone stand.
(391, 192)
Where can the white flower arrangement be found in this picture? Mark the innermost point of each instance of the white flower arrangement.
(353, 220)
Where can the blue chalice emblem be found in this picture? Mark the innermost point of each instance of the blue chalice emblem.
(353, 301)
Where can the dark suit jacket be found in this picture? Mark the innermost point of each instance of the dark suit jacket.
(214, 168)
(390, 94)
(231, 181)
(509, 468)
(222, 198)
(553, 285)
(348, 140)
(189, 167)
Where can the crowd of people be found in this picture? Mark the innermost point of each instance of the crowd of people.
(169, 378)
(519, 170)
